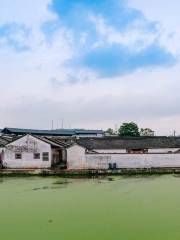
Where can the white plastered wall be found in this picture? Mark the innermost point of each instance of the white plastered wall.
(27, 146)
(76, 157)
(101, 161)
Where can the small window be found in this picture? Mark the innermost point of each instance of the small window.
(45, 156)
(170, 152)
(136, 151)
(18, 156)
(36, 155)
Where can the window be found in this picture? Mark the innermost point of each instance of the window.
(18, 156)
(36, 155)
(45, 156)
(137, 151)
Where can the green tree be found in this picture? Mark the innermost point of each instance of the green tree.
(129, 129)
(109, 131)
(146, 132)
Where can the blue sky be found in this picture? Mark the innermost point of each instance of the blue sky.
(118, 58)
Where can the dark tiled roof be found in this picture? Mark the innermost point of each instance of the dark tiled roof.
(130, 143)
(55, 142)
(49, 141)
(4, 141)
(56, 132)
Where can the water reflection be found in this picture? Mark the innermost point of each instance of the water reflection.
(62, 182)
(58, 184)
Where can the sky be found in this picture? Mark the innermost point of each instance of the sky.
(90, 64)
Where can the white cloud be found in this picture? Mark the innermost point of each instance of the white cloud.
(149, 98)
(30, 12)
(166, 12)
(136, 36)
(28, 72)
(31, 98)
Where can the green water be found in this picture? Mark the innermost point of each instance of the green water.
(146, 208)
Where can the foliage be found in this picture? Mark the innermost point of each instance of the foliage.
(109, 131)
(129, 129)
(146, 132)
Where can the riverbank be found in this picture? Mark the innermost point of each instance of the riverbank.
(87, 173)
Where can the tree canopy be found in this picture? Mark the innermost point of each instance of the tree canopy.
(146, 132)
(129, 129)
(109, 131)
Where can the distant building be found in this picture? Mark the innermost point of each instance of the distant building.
(56, 132)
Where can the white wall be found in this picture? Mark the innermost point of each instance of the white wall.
(163, 150)
(158, 150)
(76, 157)
(27, 146)
(90, 135)
(101, 161)
(111, 150)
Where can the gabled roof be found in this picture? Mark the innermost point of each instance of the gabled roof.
(60, 142)
(3, 142)
(129, 142)
(56, 132)
(50, 141)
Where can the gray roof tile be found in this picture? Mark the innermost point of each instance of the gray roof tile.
(130, 143)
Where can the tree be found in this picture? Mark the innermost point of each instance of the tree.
(146, 132)
(129, 129)
(109, 131)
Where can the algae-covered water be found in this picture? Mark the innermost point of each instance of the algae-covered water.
(126, 208)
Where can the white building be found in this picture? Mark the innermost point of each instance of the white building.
(76, 157)
(98, 153)
(32, 152)
(118, 153)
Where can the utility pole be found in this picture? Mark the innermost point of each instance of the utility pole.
(52, 125)
(116, 128)
(62, 123)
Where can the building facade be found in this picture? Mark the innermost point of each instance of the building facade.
(117, 153)
(31, 152)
